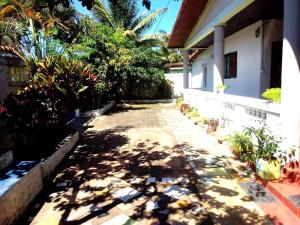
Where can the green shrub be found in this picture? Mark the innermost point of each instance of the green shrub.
(272, 95)
(265, 144)
(242, 144)
(57, 87)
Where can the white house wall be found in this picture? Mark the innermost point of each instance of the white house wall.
(197, 70)
(177, 79)
(248, 49)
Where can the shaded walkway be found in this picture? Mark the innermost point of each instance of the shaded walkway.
(120, 150)
(108, 178)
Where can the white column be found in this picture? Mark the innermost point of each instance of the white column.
(218, 56)
(186, 69)
(291, 73)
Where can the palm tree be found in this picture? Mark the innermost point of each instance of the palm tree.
(124, 14)
(161, 40)
(35, 22)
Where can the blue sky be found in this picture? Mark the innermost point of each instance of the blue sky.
(168, 19)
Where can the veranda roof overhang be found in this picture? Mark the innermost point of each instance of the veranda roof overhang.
(188, 15)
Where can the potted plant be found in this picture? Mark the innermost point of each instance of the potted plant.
(184, 108)
(242, 147)
(266, 145)
(272, 95)
(179, 101)
(221, 88)
(192, 113)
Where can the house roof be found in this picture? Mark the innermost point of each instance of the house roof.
(174, 65)
(195, 54)
(187, 18)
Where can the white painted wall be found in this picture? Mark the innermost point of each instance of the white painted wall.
(177, 80)
(206, 57)
(248, 49)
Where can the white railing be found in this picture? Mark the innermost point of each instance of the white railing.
(236, 111)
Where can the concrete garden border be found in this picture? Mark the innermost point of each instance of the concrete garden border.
(48, 165)
(98, 112)
(150, 101)
(24, 181)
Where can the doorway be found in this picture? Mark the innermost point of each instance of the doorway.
(276, 61)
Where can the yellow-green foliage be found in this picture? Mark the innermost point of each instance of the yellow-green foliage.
(242, 144)
(179, 101)
(272, 95)
(193, 112)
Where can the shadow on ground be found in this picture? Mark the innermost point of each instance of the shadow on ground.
(107, 160)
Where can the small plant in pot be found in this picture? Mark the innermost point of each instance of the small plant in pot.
(179, 102)
(192, 113)
(266, 145)
(242, 146)
(184, 108)
(272, 95)
(221, 88)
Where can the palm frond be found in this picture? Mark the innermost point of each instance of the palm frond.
(148, 20)
(11, 50)
(102, 14)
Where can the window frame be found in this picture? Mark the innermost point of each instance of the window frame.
(230, 65)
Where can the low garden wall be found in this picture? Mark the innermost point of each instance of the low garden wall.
(22, 182)
(237, 111)
(98, 112)
(150, 101)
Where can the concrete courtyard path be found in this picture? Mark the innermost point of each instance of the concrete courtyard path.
(144, 164)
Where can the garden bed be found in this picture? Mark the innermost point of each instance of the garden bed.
(23, 181)
(37, 149)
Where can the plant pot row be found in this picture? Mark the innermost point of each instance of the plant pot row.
(265, 169)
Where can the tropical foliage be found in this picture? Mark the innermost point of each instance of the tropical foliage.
(123, 14)
(46, 99)
(73, 61)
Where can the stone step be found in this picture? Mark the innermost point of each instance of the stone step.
(270, 204)
(288, 194)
